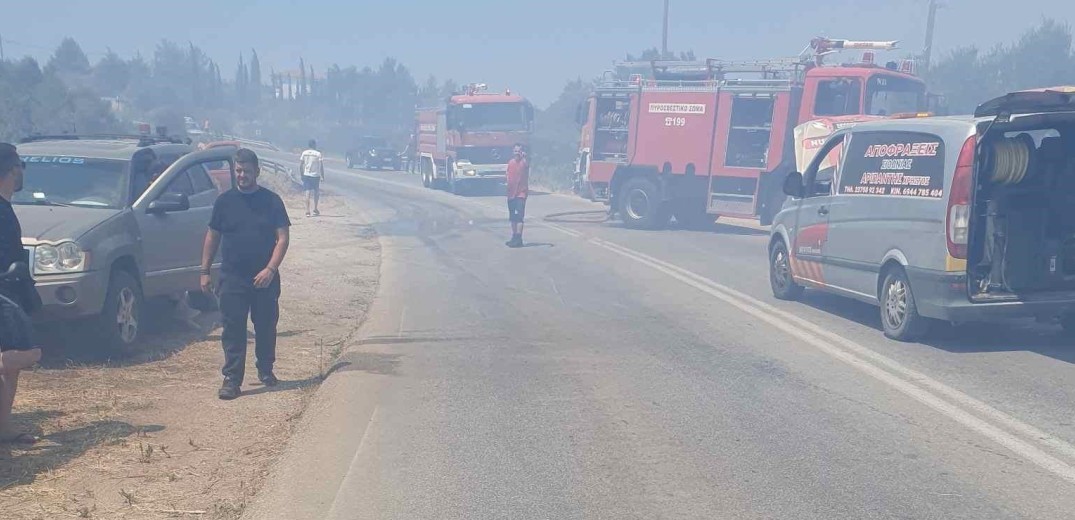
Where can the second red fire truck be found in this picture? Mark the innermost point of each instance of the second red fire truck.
(468, 141)
(699, 140)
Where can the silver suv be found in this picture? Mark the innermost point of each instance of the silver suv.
(110, 221)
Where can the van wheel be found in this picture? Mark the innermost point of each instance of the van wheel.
(119, 325)
(899, 313)
(641, 206)
(780, 277)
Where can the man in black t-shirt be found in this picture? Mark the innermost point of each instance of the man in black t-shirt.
(18, 297)
(253, 224)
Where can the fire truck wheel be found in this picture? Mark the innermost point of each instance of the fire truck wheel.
(641, 206)
(780, 278)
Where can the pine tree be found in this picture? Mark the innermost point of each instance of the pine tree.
(302, 77)
(255, 78)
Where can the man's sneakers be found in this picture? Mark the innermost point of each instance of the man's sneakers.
(268, 379)
(516, 241)
(229, 391)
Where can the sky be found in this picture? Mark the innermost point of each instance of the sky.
(532, 47)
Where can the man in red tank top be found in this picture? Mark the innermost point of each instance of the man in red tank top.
(518, 176)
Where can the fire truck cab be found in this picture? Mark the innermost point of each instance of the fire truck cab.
(697, 140)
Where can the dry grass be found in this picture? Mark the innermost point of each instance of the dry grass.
(146, 437)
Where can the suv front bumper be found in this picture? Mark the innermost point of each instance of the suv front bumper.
(71, 296)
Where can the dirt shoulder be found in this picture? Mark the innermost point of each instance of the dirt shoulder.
(146, 437)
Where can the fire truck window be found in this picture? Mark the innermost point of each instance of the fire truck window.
(493, 117)
(838, 97)
(613, 113)
(610, 136)
(887, 95)
(748, 137)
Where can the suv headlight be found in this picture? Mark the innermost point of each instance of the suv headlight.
(66, 257)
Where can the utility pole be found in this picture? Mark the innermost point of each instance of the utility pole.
(931, 20)
(1, 47)
(664, 33)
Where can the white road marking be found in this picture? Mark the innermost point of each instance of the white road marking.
(909, 374)
(353, 468)
(912, 383)
(815, 337)
(557, 291)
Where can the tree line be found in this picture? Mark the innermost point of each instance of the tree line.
(69, 94)
(335, 105)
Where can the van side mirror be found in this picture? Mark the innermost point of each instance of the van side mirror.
(169, 203)
(793, 185)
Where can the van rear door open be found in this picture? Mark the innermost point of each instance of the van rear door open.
(1022, 244)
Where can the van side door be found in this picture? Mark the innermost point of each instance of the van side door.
(812, 216)
(889, 204)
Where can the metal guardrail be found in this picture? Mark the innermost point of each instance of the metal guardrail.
(280, 169)
(251, 142)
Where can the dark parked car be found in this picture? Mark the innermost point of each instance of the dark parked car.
(374, 153)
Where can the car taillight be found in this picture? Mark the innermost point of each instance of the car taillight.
(959, 200)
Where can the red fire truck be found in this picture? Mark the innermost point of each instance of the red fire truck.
(698, 140)
(469, 140)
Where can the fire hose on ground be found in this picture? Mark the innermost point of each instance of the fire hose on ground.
(565, 217)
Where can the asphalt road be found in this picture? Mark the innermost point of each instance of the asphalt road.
(602, 372)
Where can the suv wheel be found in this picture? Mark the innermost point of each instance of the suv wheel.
(119, 325)
(780, 278)
(899, 313)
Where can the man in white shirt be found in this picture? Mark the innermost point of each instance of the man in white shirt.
(312, 166)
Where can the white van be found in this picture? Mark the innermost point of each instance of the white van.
(949, 218)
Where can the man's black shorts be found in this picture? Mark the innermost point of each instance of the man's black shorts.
(311, 183)
(16, 328)
(516, 209)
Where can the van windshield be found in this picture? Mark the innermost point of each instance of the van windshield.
(75, 181)
(887, 95)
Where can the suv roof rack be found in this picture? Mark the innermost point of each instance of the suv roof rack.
(143, 140)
